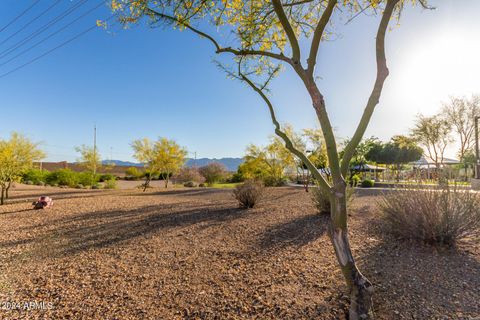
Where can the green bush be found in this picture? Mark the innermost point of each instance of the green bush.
(62, 177)
(436, 216)
(270, 181)
(367, 183)
(322, 201)
(354, 180)
(133, 173)
(106, 177)
(110, 184)
(190, 184)
(35, 176)
(87, 179)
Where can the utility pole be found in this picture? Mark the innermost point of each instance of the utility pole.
(94, 149)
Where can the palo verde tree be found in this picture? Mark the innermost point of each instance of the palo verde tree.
(265, 35)
(16, 157)
(90, 159)
(164, 157)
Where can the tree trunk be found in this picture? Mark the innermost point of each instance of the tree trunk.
(2, 197)
(166, 181)
(7, 189)
(361, 289)
(146, 184)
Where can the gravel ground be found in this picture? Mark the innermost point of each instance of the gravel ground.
(191, 253)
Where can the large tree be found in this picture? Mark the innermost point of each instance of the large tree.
(16, 157)
(264, 35)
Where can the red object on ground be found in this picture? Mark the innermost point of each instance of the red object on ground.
(43, 202)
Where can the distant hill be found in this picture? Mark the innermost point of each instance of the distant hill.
(230, 163)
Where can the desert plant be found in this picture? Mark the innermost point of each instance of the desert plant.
(63, 177)
(321, 199)
(187, 174)
(367, 183)
(432, 215)
(190, 184)
(249, 193)
(213, 172)
(110, 184)
(35, 176)
(133, 173)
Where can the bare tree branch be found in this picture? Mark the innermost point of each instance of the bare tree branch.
(382, 74)
(287, 27)
(219, 49)
(288, 142)
(318, 34)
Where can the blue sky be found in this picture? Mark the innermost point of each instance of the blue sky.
(146, 82)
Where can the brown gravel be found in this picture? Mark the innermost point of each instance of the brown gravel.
(191, 253)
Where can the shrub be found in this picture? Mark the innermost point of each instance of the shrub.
(29, 182)
(63, 177)
(354, 180)
(367, 183)
(202, 185)
(434, 215)
(213, 172)
(35, 176)
(79, 186)
(190, 184)
(106, 177)
(322, 201)
(270, 181)
(110, 184)
(133, 173)
(86, 178)
(187, 174)
(249, 193)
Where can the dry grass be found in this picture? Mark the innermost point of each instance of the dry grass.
(433, 215)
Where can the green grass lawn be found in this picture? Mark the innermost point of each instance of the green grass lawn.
(224, 185)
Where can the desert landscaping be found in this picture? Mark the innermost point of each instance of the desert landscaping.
(194, 254)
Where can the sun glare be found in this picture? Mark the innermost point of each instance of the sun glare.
(438, 67)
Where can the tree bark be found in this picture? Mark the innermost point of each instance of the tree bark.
(361, 289)
(7, 189)
(2, 196)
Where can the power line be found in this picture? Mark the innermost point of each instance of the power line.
(53, 34)
(19, 16)
(53, 49)
(42, 29)
(30, 22)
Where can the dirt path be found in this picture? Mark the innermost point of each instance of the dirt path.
(192, 253)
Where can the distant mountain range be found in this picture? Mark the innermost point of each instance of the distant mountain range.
(230, 163)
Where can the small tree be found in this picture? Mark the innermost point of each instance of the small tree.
(213, 172)
(90, 159)
(460, 113)
(263, 36)
(433, 133)
(16, 157)
(164, 157)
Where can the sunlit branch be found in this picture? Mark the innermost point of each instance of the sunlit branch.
(287, 27)
(318, 34)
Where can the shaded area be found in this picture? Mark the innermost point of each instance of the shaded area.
(297, 232)
(100, 229)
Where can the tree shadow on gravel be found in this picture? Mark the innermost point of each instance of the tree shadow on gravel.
(101, 229)
(433, 282)
(297, 232)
